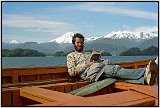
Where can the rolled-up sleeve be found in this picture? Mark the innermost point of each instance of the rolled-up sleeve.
(73, 68)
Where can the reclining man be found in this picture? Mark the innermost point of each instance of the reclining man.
(79, 63)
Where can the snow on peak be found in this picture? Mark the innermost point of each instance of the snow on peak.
(130, 35)
(91, 39)
(66, 38)
(13, 42)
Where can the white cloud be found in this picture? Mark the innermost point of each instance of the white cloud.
(30, 23)
(146, 29)
(9, 38)
(97, 7)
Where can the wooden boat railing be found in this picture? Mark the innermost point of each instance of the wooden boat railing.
(136, 64)
(17, 75)
(44, 95)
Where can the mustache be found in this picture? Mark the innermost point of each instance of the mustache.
(78, 49)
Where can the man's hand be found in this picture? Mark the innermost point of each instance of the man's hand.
(90, 63)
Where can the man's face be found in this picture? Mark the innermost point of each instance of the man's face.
(79, 44)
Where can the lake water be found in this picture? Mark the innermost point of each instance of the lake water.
(10, 62)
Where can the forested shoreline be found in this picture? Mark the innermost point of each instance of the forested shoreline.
(134, 51)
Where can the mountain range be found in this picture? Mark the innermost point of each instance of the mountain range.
(114, 42)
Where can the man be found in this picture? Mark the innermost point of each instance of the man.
(79, 63)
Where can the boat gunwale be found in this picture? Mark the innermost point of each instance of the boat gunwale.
(38, 67)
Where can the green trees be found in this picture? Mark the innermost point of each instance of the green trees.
(131, 52)
(60, 53)
(106, 54)
(21, 53)
(5, 53)
(152, 50)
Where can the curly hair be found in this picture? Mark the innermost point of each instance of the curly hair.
(77, 35)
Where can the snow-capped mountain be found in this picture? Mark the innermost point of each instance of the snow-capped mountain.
(130, 35)
(114, 45)
(66, 38)
(91, 39)
(13, 42)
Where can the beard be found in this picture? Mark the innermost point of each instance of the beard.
(78, 49)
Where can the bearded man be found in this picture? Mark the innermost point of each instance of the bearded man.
(78, 63)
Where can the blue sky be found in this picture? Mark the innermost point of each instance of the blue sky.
(44, 21)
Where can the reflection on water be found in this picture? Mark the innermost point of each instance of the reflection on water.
(127, 58)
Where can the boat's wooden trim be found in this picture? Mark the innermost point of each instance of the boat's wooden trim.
(135, 64)
(126, 86)
(119, 99)
(148, 90)
(156, 102)
(11, 97)
(141, 102)
(40, 67)
(35, 83)
(44, 96)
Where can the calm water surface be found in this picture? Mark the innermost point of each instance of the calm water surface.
(10, 62)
